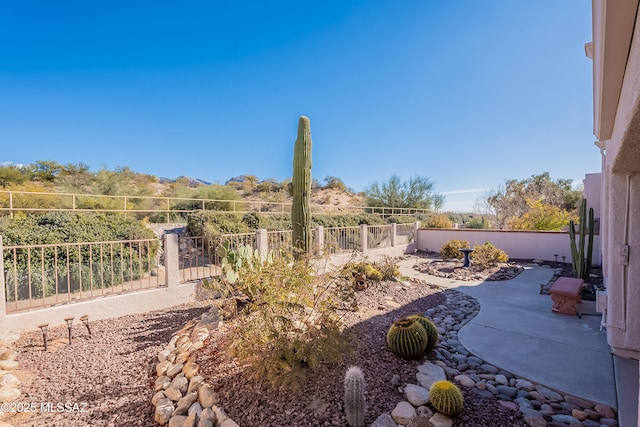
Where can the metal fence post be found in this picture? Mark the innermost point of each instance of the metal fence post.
(171, 260)
(364, 241)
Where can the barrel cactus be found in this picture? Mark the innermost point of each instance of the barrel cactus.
(430, 327)
(407, 338)
(301, 188)
(354, 402)
(446, 398)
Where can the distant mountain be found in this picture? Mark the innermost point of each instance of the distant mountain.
(193, 182)
(239, 178)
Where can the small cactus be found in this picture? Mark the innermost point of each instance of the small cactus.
(430, 327)
(354, 402)
(446, 398)
(407, 338)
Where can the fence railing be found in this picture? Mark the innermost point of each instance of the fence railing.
(341, 239)
(44, 275)
(39, 276)
(162, 209)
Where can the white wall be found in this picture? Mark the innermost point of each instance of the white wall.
(541, 245)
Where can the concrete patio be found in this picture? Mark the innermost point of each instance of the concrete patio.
(517, 331)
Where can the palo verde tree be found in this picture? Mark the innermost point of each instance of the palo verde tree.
(415, 193)
(301, 187)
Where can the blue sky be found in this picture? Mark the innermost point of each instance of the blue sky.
(468, 93)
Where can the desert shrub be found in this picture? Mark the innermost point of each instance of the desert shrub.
(488, 255)
(541, 216)
(439, 221)
(451, 249)
(405, 219)
(289, 324)
(388, 267)
(346, 220)
(478, 223)
(86, 265)
(351, 269)
(206, 223)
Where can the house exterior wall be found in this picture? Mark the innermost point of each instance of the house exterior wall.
(621, 209)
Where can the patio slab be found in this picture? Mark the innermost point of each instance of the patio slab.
(517, 331)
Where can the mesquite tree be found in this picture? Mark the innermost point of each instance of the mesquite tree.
(301, 208)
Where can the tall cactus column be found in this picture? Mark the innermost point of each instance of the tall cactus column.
(301, 207)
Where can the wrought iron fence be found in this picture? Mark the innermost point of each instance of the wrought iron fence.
(278, 241)
(162, 209)
(199, 257)
(341, 239)
(44, 275)
(38, 276)
(405, 233)
(379, 236)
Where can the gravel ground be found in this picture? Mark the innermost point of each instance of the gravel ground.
(319, 401)
(109, 374)
(113, 371)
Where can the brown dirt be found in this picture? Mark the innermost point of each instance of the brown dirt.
(318, 402)
(113, 371)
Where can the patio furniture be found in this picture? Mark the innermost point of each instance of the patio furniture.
(565, 294)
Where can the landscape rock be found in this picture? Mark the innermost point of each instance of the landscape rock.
(549, 394)
(533, 417)
(604, 411)
(164, 410)
(464, 380)
(416, 395)
(177, 420)
(207, 397)
(441, 420)
(428, 373)
(403, 413)
(384, 420)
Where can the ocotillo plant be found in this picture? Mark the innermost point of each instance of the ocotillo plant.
(582, 264)
(301, 206)
(354, 401)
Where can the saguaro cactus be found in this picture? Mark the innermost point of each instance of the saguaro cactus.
(582, 264)
(301, 207)
(354, 401)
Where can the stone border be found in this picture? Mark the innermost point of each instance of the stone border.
(538, 404)
(9, 382)
(183, 398)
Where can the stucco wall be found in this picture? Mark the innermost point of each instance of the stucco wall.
(543, 245)
(621, 206)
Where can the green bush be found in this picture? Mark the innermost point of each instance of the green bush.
(478, 223)
(388, 267)
(351, 269)
(451, 249)
(207, 223)
(85, 266)
(488, 255)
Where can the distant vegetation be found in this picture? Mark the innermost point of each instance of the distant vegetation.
(417, 193)
(535, 203)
